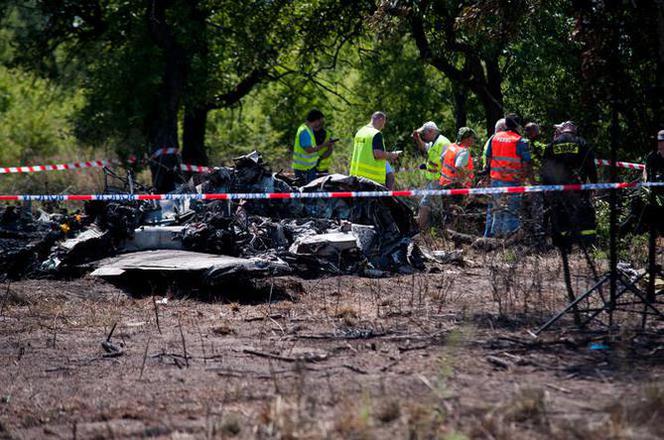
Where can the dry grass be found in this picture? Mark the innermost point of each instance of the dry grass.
(348, 315)
(224, 328)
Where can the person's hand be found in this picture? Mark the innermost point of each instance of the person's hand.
(416, 135)
(394, 156)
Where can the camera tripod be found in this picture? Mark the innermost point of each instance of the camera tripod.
(623, 282)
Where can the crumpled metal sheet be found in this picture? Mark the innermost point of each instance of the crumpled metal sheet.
(212, 269)
(324, 245)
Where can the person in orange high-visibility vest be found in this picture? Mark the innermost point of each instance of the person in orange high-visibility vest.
(456, 162)
(456, 170)
(508, 162)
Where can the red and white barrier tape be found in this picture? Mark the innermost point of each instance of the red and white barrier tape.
(630, 165)
(56, 167)
(329, 195)
(197, 168)
(163, 151)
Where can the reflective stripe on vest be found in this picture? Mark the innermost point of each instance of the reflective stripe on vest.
(302, 160)
(363, 163)
(506, 164)
(432, 171)
(448, 170)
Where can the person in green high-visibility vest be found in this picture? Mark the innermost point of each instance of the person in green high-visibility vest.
(305, 150)
(370, 158)
(430, 141)
(433, 144)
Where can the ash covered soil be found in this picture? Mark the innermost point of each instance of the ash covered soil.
(430, 355)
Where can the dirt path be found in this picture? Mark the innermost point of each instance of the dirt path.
(424, 356)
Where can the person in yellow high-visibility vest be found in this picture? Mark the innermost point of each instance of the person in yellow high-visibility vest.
(430, 141)
(305, 150)
(370, 158)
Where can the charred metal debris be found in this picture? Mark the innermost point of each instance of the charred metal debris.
(216, 241)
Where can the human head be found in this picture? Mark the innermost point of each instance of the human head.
(428, 131)
(511, 122)
(500, 125)
(566, 127)
(466, 137)
(660, 142)
(315, 119)
(532, 130)
(378, 120)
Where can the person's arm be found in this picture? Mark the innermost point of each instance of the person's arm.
(486, 156)
(307, 143)
(379, 152)
(523, 150)
(421, 145)
(461, 165)
(328, 152)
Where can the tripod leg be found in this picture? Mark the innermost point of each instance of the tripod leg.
(652, 267)
(568, 284)
(592, 266)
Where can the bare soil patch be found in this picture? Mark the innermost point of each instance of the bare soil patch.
(437, 355)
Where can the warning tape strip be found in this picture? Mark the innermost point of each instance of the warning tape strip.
(200, 168)
(329, 195)
(197, 168)
(56, 167)
(631, 165)
(164, 151)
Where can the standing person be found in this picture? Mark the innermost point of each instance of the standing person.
(429, 141)
(323, 135)
(654, 172)
(457, 163)
(305, 150)
(508, 164)
(457, 169)
(569, 160)
(534, 202)
(370, 158)
(500, 126)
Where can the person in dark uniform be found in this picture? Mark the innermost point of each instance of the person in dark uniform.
(654, 172)
(570, 160)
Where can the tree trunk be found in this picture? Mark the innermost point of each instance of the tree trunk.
(658, 108)
(460, 93)
(491, 94)
(162, 121)
(193, 136)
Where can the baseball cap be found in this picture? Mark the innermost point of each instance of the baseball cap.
(465, 132)
(428, 126)
(660, 135)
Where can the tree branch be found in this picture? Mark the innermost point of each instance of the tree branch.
(240, 90)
